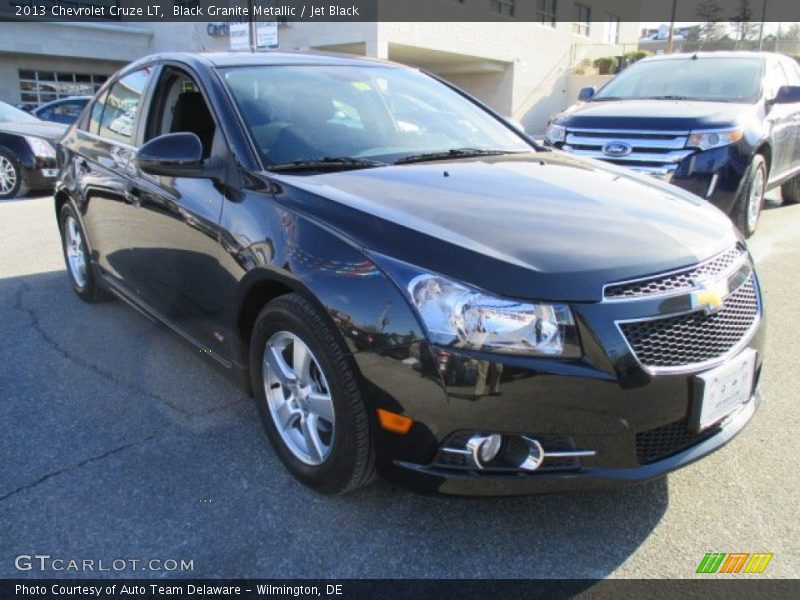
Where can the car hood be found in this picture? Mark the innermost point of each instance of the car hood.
(659, 115)
(52, 132)
(543, 226)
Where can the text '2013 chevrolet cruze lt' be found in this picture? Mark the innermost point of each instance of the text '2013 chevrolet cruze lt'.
(407, 284)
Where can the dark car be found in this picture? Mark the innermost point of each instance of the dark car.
(27, 152)
(431, 295)
(65, 110)
(722, 125)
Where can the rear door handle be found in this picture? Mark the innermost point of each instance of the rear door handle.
(133, 195)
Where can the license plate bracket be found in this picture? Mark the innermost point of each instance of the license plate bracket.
(720, 391)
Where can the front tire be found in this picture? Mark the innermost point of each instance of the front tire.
(308, 397)
(748, 204)
(76, 257)
(12, 181)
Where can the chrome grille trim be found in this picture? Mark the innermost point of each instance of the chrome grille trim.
(658, 148)
(675, 282)
(720, 328)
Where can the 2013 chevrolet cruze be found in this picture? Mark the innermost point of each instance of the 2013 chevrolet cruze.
(404, 281)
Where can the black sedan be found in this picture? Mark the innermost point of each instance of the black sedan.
(405, 282)
(27, 152)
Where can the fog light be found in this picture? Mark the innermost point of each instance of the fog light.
(535, 455)
(485, 448)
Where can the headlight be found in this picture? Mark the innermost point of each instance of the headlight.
(458, 316)
(705, 140)
(555, 134)
(40, 147)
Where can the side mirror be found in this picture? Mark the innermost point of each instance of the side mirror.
(788, 94)
(586, 93)
(172, 155)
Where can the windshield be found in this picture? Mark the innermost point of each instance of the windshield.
(371, 113)
(9, 113)
(713, 79)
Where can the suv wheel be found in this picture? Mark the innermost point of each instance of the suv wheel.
(308, 397)
(751, 197)
(76, 257)
(12, 182)
(790, 191)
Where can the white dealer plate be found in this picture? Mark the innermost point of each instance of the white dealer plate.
(726, 388)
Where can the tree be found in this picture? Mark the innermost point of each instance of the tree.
(710, 13)
(792, 34)
(743, 26)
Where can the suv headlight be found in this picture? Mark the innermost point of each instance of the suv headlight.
(706, 140)
(40, 147)
(555, 134)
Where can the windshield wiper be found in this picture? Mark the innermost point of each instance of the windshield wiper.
(327, 163)
(452, 153)
(666, 97)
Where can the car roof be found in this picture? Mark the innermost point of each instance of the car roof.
(268, 58)
(715, 54)
(66, 99)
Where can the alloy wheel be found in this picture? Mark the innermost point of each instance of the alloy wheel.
(76, 255)
(8, 176)
(298, 397)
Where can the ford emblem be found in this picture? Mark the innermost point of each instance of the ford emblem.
(617, 149)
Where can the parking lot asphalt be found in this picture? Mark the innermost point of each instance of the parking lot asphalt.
(120, 441)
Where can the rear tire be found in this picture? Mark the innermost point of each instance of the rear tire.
(76, 257)
(790, 191)
(750, 200)
(313, 413)
(12, 181)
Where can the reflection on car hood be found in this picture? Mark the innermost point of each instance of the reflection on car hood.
(546, 226)
(44, 129)
(681, 115)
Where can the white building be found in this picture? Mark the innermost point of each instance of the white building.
(520, 64)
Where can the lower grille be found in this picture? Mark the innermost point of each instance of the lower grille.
(694, 337)
(667, 440)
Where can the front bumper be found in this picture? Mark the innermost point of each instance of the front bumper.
(42, 174)
(636, 419)
(469, 483)
(715, 175)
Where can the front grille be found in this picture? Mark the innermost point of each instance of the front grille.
(674, 282)
(647, 147)
(694, 337)
(664, 441)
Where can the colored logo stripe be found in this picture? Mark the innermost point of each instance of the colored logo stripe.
(735, 562)
(757, 563)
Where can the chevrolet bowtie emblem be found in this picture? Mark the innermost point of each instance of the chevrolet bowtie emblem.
(710, 295)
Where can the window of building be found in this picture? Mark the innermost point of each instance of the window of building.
(583, 17)
(38, 87)
(122, 105)
(504, 7)
(546, 12)
(612, 30)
